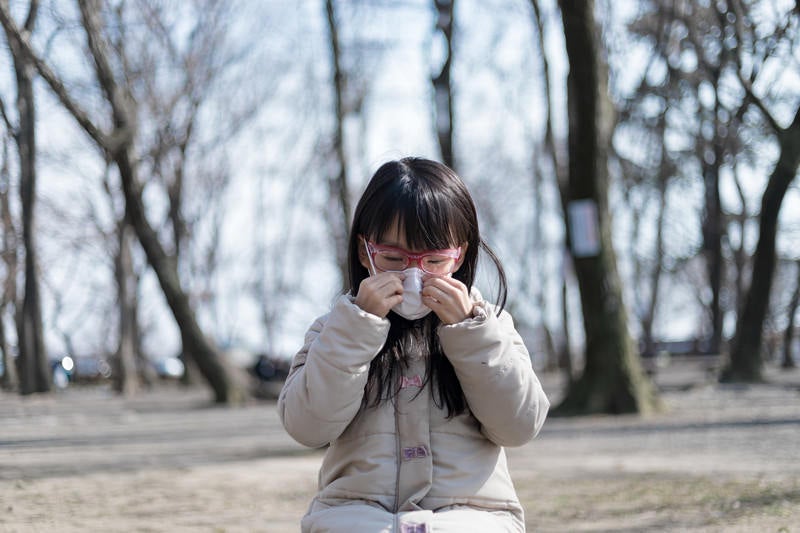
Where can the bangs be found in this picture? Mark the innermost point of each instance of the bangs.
(427, 219)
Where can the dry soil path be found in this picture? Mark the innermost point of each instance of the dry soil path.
(721, 458)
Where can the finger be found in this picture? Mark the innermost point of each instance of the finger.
(438, 294)
(386, 284)
(444, 287)
(432, 302)
(449, 296)
(392, 278)
(452, 282)
(391, 301)
(447, 313)
(443, 304)
(379, 301)
(446, 280)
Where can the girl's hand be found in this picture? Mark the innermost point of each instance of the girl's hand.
(448, 297)
(379, 293)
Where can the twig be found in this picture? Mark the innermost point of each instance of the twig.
(80, 115)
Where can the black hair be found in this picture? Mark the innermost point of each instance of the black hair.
(434, 209)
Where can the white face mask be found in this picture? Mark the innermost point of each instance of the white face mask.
(412, 307)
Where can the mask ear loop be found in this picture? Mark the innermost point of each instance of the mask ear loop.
(374, 270)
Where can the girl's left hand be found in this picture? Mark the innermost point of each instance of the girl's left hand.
(447, 297)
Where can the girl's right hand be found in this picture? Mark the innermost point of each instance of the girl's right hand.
(379, 293)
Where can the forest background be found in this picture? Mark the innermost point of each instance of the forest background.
(178, 177)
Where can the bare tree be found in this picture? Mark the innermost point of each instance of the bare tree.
(550, 162)
(699, 51)
(650, 292)
(668, 87)
(183, 158)
(749, 55)
(716, 142)
(712, 151)
(33, 361)
(129, 370)
(612, 379)
(738, 251)
(340, 210)
(788, 336)
(8, 295)
(724, 43)
(128, 358)
(119, 146)
(647, 171)
(442, 83)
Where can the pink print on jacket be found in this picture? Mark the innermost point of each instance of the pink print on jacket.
(413, 381)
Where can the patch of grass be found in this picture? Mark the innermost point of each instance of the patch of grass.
(645, 500)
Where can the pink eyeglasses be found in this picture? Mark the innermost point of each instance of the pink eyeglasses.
(392, 259)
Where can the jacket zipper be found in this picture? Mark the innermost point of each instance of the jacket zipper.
(399, 456)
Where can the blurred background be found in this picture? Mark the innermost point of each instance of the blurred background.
(177, 177)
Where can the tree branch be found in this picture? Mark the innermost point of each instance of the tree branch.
(9, 126)
(90, 11)
(758, 102)
(44, 70)
(747, 83)
(33, 10)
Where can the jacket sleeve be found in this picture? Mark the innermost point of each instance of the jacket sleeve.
(496, 375)
(325, 386)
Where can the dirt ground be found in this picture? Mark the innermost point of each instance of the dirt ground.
(720, 458)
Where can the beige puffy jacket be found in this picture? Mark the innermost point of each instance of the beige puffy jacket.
(413, 457)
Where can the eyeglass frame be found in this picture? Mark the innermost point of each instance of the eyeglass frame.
(373, 249)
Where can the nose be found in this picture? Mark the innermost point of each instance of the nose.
(415, 261)
(413, 281)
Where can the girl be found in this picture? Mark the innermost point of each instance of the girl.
(414, 381)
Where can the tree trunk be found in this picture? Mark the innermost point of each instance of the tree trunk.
(613, 380)
(442, 87)
(665, 172)
(565, 354)
(740, 256)
(788, 337)
(33, 363)
(9, 380)
(338, 188)
(655, 275)
(745, 363)
(714, 225)
(126, 377)
(551, 157)
(221, 378)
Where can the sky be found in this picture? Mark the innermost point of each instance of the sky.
(274, 201)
